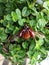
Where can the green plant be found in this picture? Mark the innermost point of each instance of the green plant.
(13, 15)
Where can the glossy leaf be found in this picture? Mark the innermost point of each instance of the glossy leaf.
(18, 12)
(14, 16)
(25, 12)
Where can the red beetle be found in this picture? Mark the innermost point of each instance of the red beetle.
(26, 33)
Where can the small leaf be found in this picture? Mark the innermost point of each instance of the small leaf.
(25, 45)
(43, 50)
(3, 36)
(18, 12)
(39, 43)
(32, 23)
(21, 22)
(15, 30)
(14, 16)
(21, 1)
(25, 12)
(46, 5)
(7, 17)
(10, 27)
(32, 45)
(34, 58)
(41, 23)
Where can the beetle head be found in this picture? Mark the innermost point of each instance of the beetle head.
(26, 26)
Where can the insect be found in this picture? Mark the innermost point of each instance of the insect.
(27, 32)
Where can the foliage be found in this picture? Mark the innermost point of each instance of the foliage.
(13, 15)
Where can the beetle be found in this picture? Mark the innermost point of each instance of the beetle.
(27, 32)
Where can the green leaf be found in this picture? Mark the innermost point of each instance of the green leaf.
(1, 21)
(41, 23)
(32, 45)
(45, 31)
(32, 23)
(30, 54)
(43, 51)
(3, 1)
(34, 58)
(18, 12)
(39, 43)
(40, 15)
(25, 45)
(21, 22)
(46, 5)
(15, 30)
(14, 16)
(21, 1)
(7, 17)
(25, 12)
(10, 27)
(3, 36)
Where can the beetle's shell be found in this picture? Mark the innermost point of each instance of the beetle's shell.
(26, 35)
